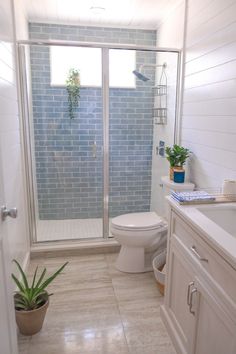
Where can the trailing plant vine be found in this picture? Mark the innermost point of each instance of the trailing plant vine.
(73, 90)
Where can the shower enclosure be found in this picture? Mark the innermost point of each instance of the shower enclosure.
(81, 172)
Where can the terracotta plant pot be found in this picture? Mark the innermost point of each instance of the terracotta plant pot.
(31, 322)
(171, 175)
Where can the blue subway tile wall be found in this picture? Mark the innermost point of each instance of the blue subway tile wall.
(69, 179)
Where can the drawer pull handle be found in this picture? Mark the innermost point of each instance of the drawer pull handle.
(195, 252)
(188, 293)
(191, 301)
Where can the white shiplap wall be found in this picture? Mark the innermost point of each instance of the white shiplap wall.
(10, 142)
(170, 34)
(209, 106)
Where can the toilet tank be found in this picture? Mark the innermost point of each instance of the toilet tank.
(168, 186)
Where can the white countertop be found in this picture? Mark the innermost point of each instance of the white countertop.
(223, 242)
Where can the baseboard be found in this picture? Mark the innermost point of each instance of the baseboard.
(171, 331)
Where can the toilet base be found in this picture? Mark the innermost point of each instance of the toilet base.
(133, 260)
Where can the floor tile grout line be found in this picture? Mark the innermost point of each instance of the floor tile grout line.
(117, 301)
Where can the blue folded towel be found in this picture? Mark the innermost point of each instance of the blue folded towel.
(192, 196)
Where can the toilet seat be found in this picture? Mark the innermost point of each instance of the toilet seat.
(143, 221)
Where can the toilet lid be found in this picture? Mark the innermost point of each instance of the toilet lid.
(138, 221)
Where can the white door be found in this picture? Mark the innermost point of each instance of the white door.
(8, 341)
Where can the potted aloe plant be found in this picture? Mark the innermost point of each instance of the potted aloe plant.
(177, 156)
(32, 300)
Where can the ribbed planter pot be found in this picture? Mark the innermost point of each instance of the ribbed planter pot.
(179, 175)
(31, 322)
(171, 172)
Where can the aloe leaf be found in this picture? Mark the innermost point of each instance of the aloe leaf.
(18, 283)
(40, 300)
(50, 279)
(33, 282)
(22, 274)
(23, 295)
(23, 307)
(41, 278)
(22, 303)
(35, 274)
(37, 294)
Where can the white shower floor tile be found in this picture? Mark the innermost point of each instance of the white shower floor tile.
(51, 230)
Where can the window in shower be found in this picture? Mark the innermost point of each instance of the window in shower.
(88, 62)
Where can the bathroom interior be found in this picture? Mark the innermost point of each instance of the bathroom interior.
(87, 185)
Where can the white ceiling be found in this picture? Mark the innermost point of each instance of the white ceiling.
(146, 14)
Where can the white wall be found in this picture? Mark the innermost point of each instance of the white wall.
(170, 34)
(21, 20)
(10, 141)
(209, 108)
(209, 103)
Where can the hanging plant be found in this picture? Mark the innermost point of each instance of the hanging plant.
(73, 90)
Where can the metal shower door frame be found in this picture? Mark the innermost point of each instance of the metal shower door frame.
(27, 129)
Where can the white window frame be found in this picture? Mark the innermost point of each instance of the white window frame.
(95, 86)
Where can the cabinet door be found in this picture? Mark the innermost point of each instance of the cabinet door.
(216, 325)
(180, 282)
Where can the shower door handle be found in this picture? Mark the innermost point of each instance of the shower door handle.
(94, 149)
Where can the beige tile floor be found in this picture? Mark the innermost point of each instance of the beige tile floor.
(96, 309)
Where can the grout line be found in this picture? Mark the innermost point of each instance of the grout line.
(210, 84)
(211, 99)
(194, 29)
(208, 130)
(117, 303)
(209, 68)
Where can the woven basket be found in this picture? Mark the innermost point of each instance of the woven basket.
(158, 264)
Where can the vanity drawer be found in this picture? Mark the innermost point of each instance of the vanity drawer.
(206, 259)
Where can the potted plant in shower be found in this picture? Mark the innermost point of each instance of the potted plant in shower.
(73, 91)
(177, 156)
(32, 300)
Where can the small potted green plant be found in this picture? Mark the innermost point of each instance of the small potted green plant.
(73, 91)
(32, 300)
(177, 156)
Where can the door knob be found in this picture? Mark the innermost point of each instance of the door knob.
(8, 212)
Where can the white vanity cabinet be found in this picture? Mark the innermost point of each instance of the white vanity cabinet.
(200, 297)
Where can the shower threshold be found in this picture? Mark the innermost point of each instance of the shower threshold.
(69, 229)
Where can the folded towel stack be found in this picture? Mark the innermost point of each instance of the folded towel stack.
(193, 196)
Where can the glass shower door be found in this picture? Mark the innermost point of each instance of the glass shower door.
(67, 150)
(130, 132)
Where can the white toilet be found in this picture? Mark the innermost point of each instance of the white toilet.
(142, 235)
